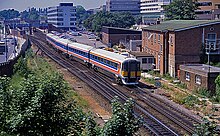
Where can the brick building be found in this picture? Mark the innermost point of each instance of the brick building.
(199, 76)
(180, 41)
(114, 35)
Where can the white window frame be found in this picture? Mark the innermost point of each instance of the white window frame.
(187, 75)
(198, 80)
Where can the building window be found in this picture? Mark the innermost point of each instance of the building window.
(150, 60)
(187, 76)
(211, 41)
(144, 60)
(171, 40)
(158, 38)
(198, 79)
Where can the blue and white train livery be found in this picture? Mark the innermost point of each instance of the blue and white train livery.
(126, 70)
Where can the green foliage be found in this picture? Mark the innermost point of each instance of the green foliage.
(118, 19)
(217, 82)
(206, 128)
(9, 14)
(181, 85)
(39, 107)
(21, 67)
(181, 10)
(122, 122)
(190, 100)
(203, 92)
(32, 14)
(150, 80)
(91, 127)
(81, 14)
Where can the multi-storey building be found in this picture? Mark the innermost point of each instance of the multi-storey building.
(177, 42)
(62, 16)
(152, 10)
(208, 9)
(132, 6)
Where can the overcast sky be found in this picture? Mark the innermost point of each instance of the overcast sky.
(24, 4)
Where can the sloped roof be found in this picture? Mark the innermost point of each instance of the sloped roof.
(178, 25)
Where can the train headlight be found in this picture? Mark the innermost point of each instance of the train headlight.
(139, 73)
(124, 73)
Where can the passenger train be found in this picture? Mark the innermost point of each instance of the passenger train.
(126, 70)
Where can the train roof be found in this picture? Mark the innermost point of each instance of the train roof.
(111, 55)
(70, 43)
(101, 52)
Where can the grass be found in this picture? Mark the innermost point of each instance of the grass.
(150, 80)
(80, 101)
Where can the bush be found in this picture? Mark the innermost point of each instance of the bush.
(190, 101)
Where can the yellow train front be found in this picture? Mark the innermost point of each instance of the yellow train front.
(130, 71)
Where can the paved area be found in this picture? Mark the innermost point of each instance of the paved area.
(92, 42)
(12, 50)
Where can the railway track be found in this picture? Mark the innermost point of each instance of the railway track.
(106, 89)
(151, 123)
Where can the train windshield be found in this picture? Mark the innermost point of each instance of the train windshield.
(131, 66)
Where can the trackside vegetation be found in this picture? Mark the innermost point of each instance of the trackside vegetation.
(36, 101)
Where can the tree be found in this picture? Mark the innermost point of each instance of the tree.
(181, 10)
(81, 14)
(123, 122)
(39, 107)
(117, 19)
(9, 14)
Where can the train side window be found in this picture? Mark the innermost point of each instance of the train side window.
(108, 62)
(101, 59)
(96, 57)
(105, 61)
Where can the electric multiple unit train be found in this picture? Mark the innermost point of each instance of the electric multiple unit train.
(126, 70)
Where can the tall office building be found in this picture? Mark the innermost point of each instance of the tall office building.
(208, 9)
(62, 16)
(132, 6)
(152, 10)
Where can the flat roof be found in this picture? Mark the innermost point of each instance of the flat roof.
(140, 54)
(201, 67)
(178, 25)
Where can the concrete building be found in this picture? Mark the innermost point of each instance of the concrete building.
(199, 76)
(208, 9)
(132, 6)
(152, 10)
(145, 59)
(180, 42)
(62, 16)
(113, 35)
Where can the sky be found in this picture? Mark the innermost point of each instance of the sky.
(21, 5)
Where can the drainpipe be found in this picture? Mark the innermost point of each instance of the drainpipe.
(165, 53)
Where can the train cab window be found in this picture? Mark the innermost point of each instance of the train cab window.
(125, 66)
(133, 66)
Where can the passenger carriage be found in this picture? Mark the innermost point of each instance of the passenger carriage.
(126, 70)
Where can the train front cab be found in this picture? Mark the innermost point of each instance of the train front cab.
(130, 72)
